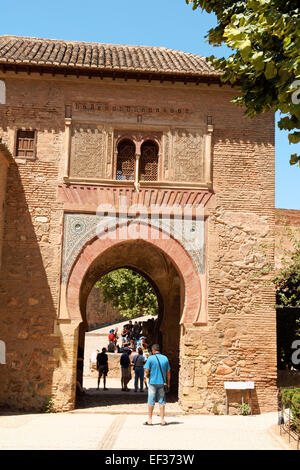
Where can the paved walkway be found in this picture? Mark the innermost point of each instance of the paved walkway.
(90, 431)
(113, 420)
(114, 401)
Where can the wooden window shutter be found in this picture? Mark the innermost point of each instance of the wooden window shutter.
(126, 160)
(149, 162)
(26, 143)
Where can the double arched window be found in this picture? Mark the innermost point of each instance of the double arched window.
(126, 160)
(132, 166)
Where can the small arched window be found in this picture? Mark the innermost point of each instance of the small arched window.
(125, 160)
(149, 161)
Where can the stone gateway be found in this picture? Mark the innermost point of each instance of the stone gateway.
(132, 156)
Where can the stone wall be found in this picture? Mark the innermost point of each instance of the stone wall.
(238, 340)
(5, 160)
(99, 313)
(30, 275)
(287, 233)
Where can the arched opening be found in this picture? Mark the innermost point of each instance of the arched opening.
(162, 259)
(159, 270)
(149, 161)
(125, 160)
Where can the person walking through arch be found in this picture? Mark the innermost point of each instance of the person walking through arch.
(125, 369)
(157, 369)
(102, 367)
(138, 362)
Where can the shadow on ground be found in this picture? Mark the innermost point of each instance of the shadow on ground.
(97, 398)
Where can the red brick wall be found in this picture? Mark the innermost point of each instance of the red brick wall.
(3, 175)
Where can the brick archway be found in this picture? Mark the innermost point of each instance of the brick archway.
(98, 246)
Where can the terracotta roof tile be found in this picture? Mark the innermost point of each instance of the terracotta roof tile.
(105, 57)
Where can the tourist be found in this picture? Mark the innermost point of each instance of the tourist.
(138, 362)
(146, 354)
(102, 367)
(139, 343)
(111, 337)
(125, 369)
(132, 345)
(124, 335)
(146, 348)
(136, 329)
(129, 326)
(93, 360)
(116, 336)
(157, 369)
(111, 347)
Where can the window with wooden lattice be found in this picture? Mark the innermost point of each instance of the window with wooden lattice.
(26, 143)
(149, 161)
(126, 160)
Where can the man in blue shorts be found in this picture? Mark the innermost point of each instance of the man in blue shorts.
(157, 369)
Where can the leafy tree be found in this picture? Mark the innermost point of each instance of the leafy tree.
(265, 37)
(287, 283)
(129, 292)
(287, 278)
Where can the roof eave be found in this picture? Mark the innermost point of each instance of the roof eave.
(110, 72)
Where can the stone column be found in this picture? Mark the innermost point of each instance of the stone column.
(65, 372)
(137, 171)
(208, 155)
(68, 122)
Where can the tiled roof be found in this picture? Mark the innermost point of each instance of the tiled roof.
(101, 57)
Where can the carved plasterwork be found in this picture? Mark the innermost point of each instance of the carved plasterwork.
(88, 155)
(188, 155)
(138, 137)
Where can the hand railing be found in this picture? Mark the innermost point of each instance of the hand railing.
(288, 424)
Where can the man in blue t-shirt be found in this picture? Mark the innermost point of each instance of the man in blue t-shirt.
(157, 369)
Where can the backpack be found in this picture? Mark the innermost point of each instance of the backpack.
(124, 361)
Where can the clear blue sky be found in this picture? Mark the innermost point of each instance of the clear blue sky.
(169, 23)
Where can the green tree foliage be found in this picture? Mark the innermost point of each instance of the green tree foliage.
(265, 37)
(291, 399)
(129, 292)
(287, 282)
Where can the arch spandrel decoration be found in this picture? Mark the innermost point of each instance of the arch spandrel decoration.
(80, 228)
(82, 246)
